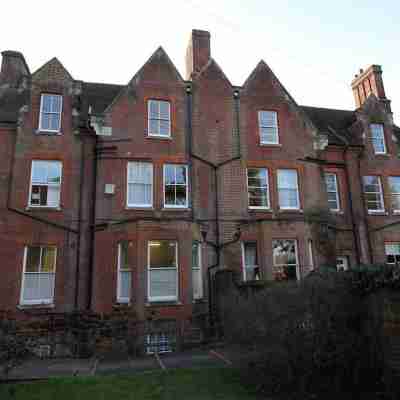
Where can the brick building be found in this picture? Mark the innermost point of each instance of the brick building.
(134, 195)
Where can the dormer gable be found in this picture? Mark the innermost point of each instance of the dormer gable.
(212, 70)
(53, 70)
(157, 69)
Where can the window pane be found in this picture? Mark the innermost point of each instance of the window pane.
(164, 110)
(269, 135)
(169, 174)
(163, 283)
(197, 284)
(378, 138)
(394, 182)
(257, 177)
(123, 255)
(153, 107)
(45, 121)
(32, 259)
(371, 182)
(50, 196)
(39, 171)
(56, 104)
(287, 179)
(170, 195)
(125, 282)
(250, 254)
(258, 197)
(164, 128)
(46, 103)
(288, 198)
(154, 126)
(195, 255)
(268, 118)
(48, 259)
(162, 254)
(284, 258)
(396, 202)
(46, 286)
(180, 195)
(180, 174)
(54, 121)
(35, 195)
(54, 172)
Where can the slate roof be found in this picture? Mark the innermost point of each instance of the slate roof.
(98, 96)
(334, 123)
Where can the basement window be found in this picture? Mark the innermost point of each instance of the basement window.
(50, 113)
(159, 343)
(39, 275)
(45, 184)
(392, 251)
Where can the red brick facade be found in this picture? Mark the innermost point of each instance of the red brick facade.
(214, 131)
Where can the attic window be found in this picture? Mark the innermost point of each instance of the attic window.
(268, 127)
(159, 118)
(50, 113)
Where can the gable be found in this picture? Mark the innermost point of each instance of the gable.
(157, 69)
(212, 71)
(53, 70)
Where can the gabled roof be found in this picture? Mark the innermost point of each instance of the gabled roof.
(334, 123)
(158, 54)
(212, 63)
(47, 70)
(98, 96)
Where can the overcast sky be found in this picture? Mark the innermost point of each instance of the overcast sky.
(314, 47)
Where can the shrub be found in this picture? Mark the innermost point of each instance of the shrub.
(321, 335)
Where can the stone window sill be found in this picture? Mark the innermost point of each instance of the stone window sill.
(159, 137)
(30, 208)
(27, 307)
(272, 145)
(260, 210)
(291, 210)
(379, 213)
(164, 304)
(47, 133)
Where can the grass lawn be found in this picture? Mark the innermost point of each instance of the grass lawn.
(187, 384)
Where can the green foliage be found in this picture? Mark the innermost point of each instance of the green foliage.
(322, 335)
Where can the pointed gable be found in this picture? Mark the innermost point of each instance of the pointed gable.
(262, 78)
(212, 71)
(157, 69)
(53, 70)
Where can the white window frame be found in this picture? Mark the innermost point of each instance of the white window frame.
(149, 133)
(24, 273)
(394, 194)
(297, 189)
(199, 271)
(158, 339)
(298, 276)
(386, 253)
(121, 299)
(275, 126)
(186, 205)
(346, 262)
(243, 247)
(138, 205)
(41, 129)
(336, 191)
(311, 253)
(149, 269)
(382, 138)
(381, 197)
(268, 206)
(44, 184)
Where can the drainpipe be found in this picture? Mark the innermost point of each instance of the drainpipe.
(350, 199)
(92, 225)
(371, 257)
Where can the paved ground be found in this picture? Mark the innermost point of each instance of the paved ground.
(36, 368)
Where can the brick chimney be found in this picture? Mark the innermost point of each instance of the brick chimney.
(13, 68)
(198, 52)
(367, 82)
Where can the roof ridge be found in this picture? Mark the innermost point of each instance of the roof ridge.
(326, 108)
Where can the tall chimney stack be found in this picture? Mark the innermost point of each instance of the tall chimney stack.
(369, 82)
(13, 68)
(198, 52)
